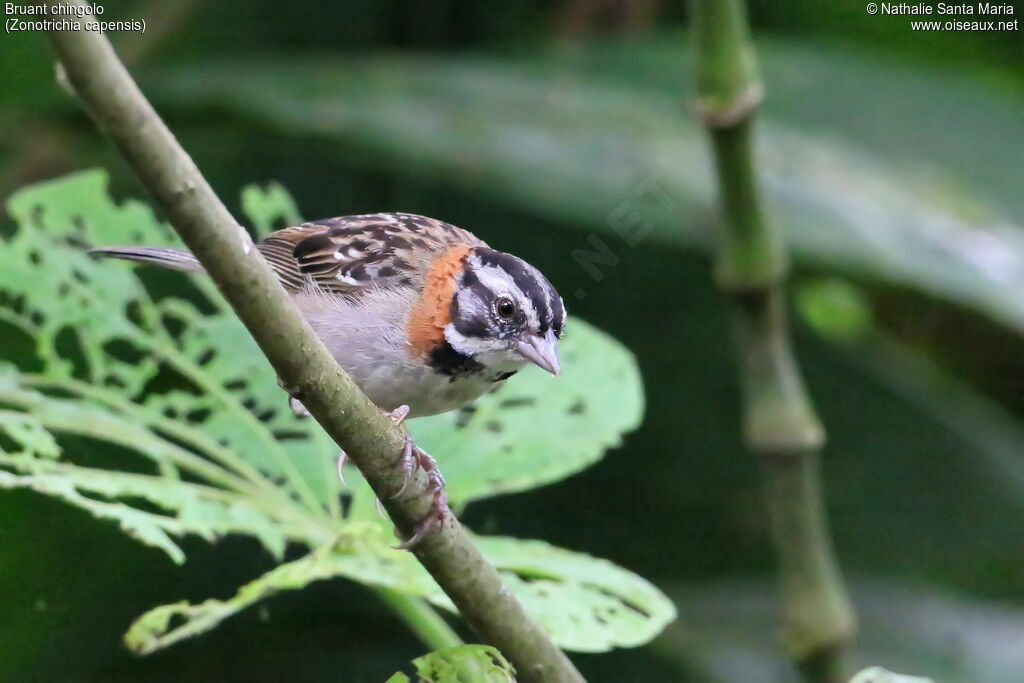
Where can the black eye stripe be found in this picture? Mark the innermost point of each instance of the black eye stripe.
(558, 314)
(469, 278)
(472, 326)
(534, 285)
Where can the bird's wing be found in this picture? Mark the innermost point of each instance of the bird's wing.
(349, 254)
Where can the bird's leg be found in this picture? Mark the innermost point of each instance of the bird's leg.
(409, 464)
(414, 457)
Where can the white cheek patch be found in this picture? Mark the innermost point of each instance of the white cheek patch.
(532, 320)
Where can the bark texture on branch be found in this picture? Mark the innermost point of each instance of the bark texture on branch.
(302, 362)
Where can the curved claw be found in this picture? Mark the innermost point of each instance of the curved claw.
(380, 509)
(341, 461)
(298, 410)
(409, 464)
(434, 518)
(426, 525)
(439, 506)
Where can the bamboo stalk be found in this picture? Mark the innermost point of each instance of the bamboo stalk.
(780, 425)
(370, 439)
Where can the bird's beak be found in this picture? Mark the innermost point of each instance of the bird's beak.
(541, 350)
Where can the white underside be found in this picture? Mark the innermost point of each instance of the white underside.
(368, 339)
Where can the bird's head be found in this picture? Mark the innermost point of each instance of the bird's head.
(505, 313)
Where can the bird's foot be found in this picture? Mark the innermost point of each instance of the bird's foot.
(398, 415)
(413, 458)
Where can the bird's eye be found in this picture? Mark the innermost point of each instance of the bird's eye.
(505, 308)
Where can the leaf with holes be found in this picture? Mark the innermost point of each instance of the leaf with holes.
(587, 604)
(154, 630)
(225, 403)
(461, 664)
(537, 429)
(201, 442)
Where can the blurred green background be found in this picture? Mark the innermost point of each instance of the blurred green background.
(891, 157)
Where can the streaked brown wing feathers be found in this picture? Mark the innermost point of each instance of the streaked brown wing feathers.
(279, 250)
(349, 253)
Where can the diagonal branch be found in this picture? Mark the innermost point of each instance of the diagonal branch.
(370, 438)
(780, 424)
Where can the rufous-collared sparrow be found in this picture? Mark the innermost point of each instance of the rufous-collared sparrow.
(423, 315)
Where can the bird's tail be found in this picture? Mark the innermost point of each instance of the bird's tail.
(177, 259)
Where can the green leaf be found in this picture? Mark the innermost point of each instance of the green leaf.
(169, 624)
(835, 309)
(585, 603)
(364, 555)
(225, 406)
(504, 443)
(464, 664)
(27, 437)
(270, 209)
(33, 452)
(174, 507)
(597, 136)
(198, 438)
